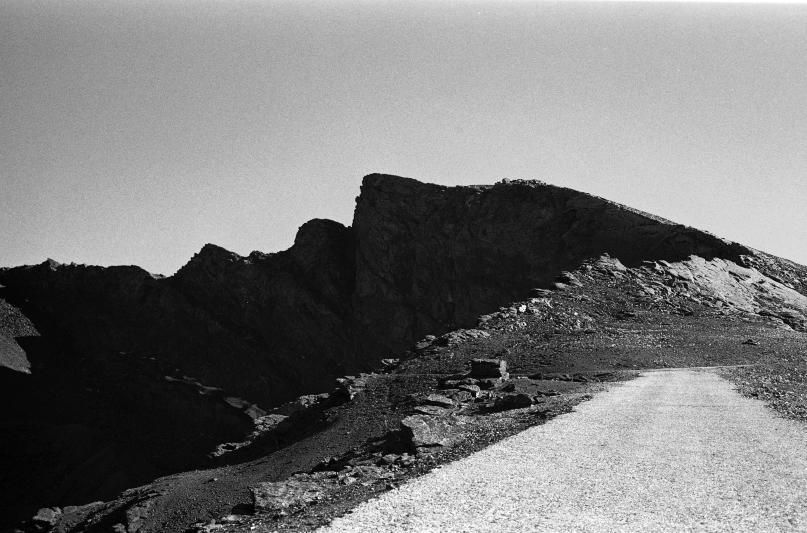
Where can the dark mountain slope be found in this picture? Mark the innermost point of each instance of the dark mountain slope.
(135, 376)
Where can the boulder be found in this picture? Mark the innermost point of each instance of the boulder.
(489, 368)
(270, 422)
(427, 431)
(285, 497)
(517, 400)
(46, 517)
(350, 386)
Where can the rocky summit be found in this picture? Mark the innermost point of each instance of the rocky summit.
(277, 384)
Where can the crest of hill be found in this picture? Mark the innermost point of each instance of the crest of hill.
(434, 257)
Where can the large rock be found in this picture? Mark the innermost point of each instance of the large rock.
(424, 431)
(512, 401)
(284, 497)
(489, 368)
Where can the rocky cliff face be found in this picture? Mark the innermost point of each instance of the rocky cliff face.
(133, 375)
(292, 307)
(430, 257)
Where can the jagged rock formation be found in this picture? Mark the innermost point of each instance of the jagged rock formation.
(430, 257)
(137, 375)
(109, 399)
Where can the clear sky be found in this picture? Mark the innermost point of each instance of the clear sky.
(135, 132)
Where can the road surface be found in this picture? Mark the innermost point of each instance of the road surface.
(675, 450)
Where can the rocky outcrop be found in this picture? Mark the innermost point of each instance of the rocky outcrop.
(732, 287)
(292, 307)
(430, 258)
(137, 375)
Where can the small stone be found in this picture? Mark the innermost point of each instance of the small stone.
(473, 389)
(347, 480)
(438, 400)
(486, 384)
(430, 410)
(389, 459)
(424, 343)
(567, 278)
(462, 396)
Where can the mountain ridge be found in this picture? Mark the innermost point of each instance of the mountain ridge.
(418, 259)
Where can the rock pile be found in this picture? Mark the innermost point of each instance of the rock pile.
(438, 418)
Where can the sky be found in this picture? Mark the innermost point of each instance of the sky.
(136, 132)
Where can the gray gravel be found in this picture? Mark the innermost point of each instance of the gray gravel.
(675, 450)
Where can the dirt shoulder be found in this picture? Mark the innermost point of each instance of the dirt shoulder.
(779, 378)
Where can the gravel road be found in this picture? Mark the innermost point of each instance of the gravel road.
(675, 450)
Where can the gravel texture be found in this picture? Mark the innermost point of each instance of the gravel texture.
(675, 450)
